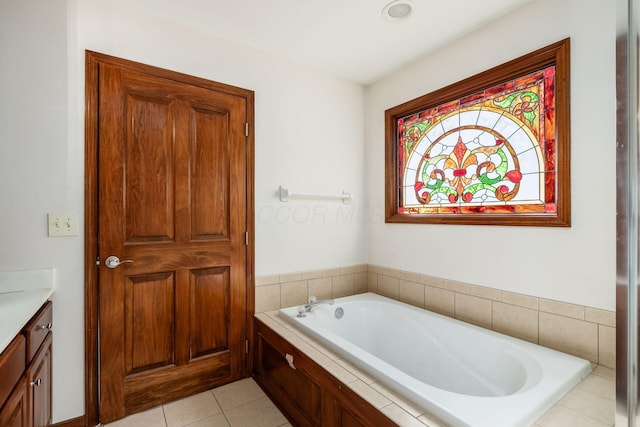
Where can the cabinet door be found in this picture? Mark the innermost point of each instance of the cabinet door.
(39, 377)
(294, 388)
(336, 414)
(15, 411)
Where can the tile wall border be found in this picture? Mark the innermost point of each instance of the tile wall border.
(583, 331)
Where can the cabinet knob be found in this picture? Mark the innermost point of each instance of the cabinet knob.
(47, 326)
(36, 383)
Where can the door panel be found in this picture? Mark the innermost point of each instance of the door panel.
(149, 169)
(172, 199)
(209, 186)
(149, 321)
(210, 306)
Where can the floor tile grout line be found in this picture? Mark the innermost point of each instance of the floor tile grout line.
(164, 415)
(581, 413)
(222, 411)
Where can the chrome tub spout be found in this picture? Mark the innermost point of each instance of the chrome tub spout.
(313, 301)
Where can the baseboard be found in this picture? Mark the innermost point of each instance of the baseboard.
(74, 422)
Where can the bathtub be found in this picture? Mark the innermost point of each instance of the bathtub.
(463, 374)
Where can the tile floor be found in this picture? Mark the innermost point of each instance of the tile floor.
(590, 404)
(244, 404)
(239, 404)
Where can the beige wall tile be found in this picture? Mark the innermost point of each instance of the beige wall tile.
(372, 282)
(520, 299)
(439, 300)
(569, 335)
(388, 286)
(360, 282)
(485, 292)
(350, 269)
(267, 298)
(290, 277)
(311, 274)
(330, 272)
(603, 317)
(392, 272)
(562, 308)
(437, 282)
(357, 268)
(607, 346)
(411, 293)
(409, 276)
(455, 286)
(342, 285)
(516, 321)
(362, 268)
(373, 268)
(475, 290)
(321, 288)
(473, 310)
(293, 293)
(271, 279)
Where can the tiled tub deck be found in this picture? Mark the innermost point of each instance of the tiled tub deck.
(586, 332)
(589, 404)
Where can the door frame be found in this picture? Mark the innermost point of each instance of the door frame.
(92, 285)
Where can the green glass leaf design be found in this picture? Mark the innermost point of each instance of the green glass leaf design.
(506, 103)
(530, 116)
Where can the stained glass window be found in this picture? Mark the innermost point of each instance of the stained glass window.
(492, 152)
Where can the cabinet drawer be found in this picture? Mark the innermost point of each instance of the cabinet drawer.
(37, 329)
(12, 365)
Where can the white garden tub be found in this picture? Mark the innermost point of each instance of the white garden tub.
(463, 374)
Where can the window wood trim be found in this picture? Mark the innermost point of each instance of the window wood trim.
(556, 54)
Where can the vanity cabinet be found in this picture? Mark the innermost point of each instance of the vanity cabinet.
(307, 394)
(25, 374)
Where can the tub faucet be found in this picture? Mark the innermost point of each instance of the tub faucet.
(313, 301)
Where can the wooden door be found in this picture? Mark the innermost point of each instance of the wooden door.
(172, 199)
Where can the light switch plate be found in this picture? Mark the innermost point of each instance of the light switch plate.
(62, 224)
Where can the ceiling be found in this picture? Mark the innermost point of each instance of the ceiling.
(348, 38)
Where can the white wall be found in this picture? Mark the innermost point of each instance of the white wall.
(309, 135)
(574, 264)
(41, 170)
(309, 132)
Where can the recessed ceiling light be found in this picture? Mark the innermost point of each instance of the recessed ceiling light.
(397, 10)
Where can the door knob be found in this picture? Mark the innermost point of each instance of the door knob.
(113, 261)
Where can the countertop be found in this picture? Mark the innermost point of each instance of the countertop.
(21, 296)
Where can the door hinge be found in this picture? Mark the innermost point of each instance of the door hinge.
(246, 129)
(246, 238)
(246, 346)
(98, 261)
